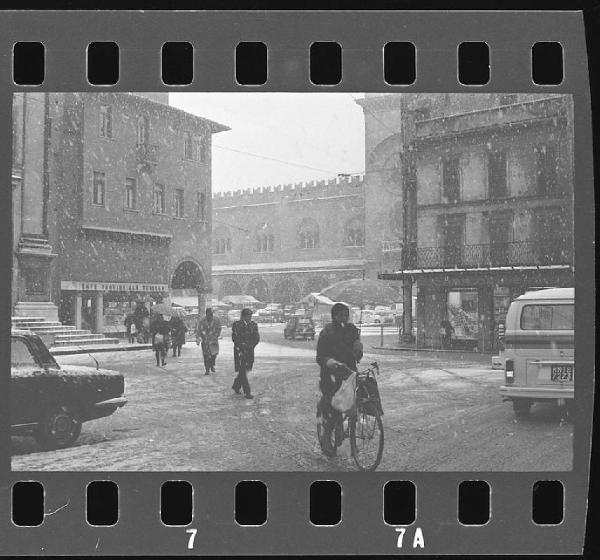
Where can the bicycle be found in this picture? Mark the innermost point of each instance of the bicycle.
(362, 424)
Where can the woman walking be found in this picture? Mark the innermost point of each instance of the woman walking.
(178, 330)
(207, 334)
(160, 331)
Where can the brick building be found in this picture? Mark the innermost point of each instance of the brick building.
(125, 203)
(474, 195)
(281, 243)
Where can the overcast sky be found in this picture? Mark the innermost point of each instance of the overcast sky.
(280, 137)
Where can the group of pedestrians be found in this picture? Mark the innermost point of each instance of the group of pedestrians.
(165, 335)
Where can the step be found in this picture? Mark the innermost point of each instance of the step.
(59, 332)
(34, 325)
(92, 342)
(87, 335)
(17, 319)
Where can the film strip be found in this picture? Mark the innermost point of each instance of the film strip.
(185, 466)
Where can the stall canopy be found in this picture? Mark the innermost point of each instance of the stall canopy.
(362, 292)
(241, 300)
(185, 301)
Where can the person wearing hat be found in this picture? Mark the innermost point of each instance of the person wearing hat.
(338, 344)
(244, 334)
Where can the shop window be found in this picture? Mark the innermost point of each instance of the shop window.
(463, 312)
(98, 188)
(179, 209)
(548, 317)
(159, 199)
(130, 194)
(106, 128)
(451, 179)
(546, 162)
(497, 174)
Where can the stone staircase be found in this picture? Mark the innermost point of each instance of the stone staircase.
(55, 334)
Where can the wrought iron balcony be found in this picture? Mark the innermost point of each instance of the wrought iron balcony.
(147, 153)
(485, 255)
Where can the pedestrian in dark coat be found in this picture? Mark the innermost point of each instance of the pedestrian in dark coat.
(244, 334)
(208, 331)
(160, 331)
(128, 326)
(178, 330)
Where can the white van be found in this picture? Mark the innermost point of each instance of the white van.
(540, 349)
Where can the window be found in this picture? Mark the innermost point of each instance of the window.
(143, 130)
(497, 174)
(222, 241)
(20, 355)
(130, 194)
(451, 179)
(179, 203)
(159, 199)
(463, 312)
(308, 234)
(222, 246)
(508, 99)
(453, 230)
(98, 188)
(265, 240)
(421, 114)
(201, 206)
(355, 233)
(106, 121)
(204, 150)
(545, 159)
(548, 317)
(187, 146)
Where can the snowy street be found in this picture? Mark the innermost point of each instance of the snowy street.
(443, 412)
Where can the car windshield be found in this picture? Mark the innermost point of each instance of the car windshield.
(42, 353)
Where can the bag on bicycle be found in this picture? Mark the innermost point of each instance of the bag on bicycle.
(369, 386)
(343, 400)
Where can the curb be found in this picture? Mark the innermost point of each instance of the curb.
(411, 349)
(68, 350)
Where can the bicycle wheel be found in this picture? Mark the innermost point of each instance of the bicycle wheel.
(325, 435)
(366, 437)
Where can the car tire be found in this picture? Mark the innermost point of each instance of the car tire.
(59, 428)
(522, 407)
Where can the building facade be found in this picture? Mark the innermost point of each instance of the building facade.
(127, 203)
(479, 190)
(281, 243)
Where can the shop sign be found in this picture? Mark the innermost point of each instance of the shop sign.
(113, 287)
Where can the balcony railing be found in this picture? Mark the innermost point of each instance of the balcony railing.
(147, 153)
(519, 253)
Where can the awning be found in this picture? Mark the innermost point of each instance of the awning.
(396, 275)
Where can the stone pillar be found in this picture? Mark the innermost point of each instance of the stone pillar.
(99, 326)
(407, 305)
(78, 309)
(201, 303)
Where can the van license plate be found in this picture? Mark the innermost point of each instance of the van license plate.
(561, 373)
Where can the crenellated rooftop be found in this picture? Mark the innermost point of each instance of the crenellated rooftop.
(337, 186)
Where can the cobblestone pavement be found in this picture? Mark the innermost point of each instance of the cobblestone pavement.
(443, 412)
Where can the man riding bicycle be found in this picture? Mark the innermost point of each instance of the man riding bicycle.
(339, 344)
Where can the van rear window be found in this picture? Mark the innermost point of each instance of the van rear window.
(548, 317)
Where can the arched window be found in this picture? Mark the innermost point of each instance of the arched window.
(355, 232)
(265, 240)
(308, 234)
(222, 241)
(187, 146)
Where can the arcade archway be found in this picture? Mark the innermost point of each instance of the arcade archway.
(287, 291)
(229, 288)
(188, 276)
(258, 288)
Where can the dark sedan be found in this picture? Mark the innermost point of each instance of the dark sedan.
(51, 403)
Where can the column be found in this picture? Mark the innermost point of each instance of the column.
(407, 305)
(99, 322)
(77, 310)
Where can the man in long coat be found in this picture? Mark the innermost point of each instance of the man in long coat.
(207, 334)
(244, 334)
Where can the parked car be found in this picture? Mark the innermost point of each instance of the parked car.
(51, 402)
(539, 354)
(299, 327)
